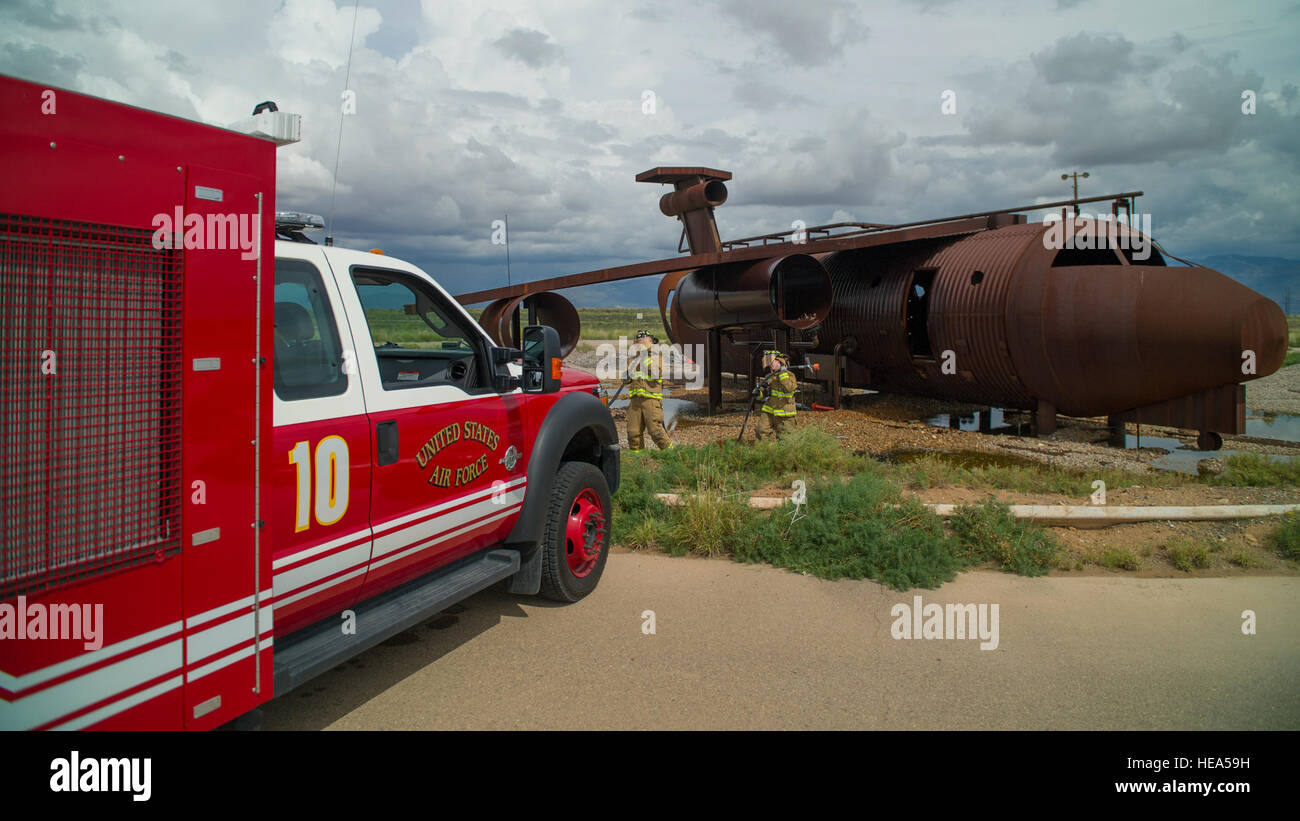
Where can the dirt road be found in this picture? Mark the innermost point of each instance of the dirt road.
(752, 647)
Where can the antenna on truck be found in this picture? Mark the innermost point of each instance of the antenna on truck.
(338, 151)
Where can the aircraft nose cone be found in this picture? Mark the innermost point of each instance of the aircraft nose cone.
(1116, 337)
(1264, 331)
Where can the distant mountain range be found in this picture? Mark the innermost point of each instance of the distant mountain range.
(1270, 276)
(642, 292)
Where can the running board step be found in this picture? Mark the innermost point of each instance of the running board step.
(311, 651)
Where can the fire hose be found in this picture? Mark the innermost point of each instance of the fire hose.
(609, 401)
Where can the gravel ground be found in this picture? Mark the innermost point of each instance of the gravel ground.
(1276, 393)
(883, 424)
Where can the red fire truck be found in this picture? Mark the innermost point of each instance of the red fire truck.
(227, 470)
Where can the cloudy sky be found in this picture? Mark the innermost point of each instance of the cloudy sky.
(823, 110)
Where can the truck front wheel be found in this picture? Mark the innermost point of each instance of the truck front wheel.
(576, 539)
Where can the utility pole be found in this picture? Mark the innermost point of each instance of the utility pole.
(508, 283)
(1076, 175)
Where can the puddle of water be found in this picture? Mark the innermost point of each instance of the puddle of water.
(970, 421)
(1183, 458)
(961, 458)
(673, 408)
(1180, 458)
(1273, 426)
(1281, 426)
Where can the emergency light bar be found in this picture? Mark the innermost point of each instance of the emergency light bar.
(298, 221)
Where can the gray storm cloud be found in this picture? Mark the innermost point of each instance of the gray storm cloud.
(464, 114)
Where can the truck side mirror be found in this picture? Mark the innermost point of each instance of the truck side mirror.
(503, 356)
(502, 380)
(541, 359)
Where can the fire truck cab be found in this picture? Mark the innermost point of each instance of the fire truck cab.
(234, 457)
(400, 452)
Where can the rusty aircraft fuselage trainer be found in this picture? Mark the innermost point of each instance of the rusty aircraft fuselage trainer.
(1084, 317)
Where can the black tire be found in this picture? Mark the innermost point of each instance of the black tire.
(574, 481)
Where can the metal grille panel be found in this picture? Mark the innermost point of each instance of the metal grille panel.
(90, 392)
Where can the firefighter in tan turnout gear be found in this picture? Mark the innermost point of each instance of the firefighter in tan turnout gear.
(778, 404)
(645, 409)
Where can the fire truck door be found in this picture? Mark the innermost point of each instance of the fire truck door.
(225, 418)
(320, 519)
(450, 462)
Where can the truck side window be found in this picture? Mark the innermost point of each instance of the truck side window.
(308, 356)
(418, 339)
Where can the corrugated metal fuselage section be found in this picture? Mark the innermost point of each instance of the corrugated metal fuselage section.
(1003, 317)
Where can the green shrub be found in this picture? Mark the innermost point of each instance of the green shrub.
(645, 533)
(708, 525)
(635, 500)
(1285, 538)
(856, 530)
(989, 532)
(1243, 558)
(1120, 559)
(1256, 470)
(1186, 555)
(729, 466)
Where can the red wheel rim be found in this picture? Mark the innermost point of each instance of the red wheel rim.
(584, 533)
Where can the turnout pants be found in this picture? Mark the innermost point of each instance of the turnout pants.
(646, 416)
(770, 426)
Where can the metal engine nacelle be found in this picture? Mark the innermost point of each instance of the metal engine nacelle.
(792, 291)
(549, 309)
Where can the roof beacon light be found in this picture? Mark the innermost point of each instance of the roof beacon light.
(269, 123)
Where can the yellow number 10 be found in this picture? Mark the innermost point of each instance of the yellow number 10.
(331, 464)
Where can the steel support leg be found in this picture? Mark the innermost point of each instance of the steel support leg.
(1045, 419)
(713, 367)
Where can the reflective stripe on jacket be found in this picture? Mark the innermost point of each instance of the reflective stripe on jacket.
(780, 401)
(647, 377)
